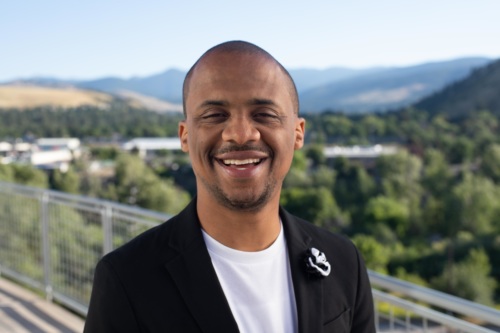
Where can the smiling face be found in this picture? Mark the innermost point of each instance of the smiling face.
(241, 129)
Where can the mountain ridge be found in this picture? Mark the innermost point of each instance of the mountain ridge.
(479, 91)
(335, 88)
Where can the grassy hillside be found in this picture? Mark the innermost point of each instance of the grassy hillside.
(28, 96)
(25, 96)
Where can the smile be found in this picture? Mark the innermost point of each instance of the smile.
(253, 161)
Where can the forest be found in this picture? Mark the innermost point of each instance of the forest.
(429, 214)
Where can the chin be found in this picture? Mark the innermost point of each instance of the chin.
(248, 202)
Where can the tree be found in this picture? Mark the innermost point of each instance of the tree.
(375, 254)
(400, 176)
(336, 125)
(372, 125)
(316, 154)
(136, 184)
(68, 181)
(323, 177)
(353, 188)
(436, 176)
(386, 210)
(316, 205)
(490, 164)
(473, 205)
(29, 175)
(461, 150)
(469, 278)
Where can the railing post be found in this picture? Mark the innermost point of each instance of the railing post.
(46, 259)
(107, 229)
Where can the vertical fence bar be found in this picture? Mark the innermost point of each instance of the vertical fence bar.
(107, 228)
(46, 260)
(391, 318)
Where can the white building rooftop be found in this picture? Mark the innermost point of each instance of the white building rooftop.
(359, 151)
(144, 144)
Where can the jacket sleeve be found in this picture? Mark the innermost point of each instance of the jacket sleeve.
(110, 309)
(363, 317)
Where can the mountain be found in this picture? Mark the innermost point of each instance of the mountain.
(336, 88)
(166, 86)
(387, 89)
(306, 79)
(479, 91)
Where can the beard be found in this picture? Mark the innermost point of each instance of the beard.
(248, 202)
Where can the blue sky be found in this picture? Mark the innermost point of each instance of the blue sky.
(90, 39)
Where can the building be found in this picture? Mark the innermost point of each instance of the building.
(148, 146)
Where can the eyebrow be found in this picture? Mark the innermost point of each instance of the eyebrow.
(253, 101)
(259, 101)
(214, 103)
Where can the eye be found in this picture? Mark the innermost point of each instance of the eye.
(214, 116)
(266, 116)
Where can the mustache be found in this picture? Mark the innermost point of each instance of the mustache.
(244, 147)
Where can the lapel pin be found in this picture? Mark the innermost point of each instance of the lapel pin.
(316, 263)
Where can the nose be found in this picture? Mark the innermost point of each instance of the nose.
(240, 130)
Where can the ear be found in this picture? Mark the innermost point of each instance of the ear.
(300, 124)
(183, 136)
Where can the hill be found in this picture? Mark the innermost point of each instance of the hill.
(336, 88)
(387, 89)
(61, 95)
(29, 96)
(166, 86)
(479, 91)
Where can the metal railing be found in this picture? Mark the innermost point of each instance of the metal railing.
(51, 241)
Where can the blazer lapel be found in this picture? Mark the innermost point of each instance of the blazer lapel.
(195, 276)
(308, 290)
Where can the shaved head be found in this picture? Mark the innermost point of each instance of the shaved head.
(240, 48)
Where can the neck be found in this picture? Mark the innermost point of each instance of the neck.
(244, 231)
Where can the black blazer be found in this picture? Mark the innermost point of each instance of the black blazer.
(164, 281)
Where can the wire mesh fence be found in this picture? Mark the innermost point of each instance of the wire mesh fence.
(52, 241)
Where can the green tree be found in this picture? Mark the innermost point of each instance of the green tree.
(473, 205)
(490, 164)
(336, 125)
(316, 154)
(400, 179)
(316, 205)
(469, 279)
(436, 176)
(375, 254)
(386, 210)
(136, 184)
(68, 181)
(29, 175)
(372, 125)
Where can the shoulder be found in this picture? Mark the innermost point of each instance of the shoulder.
(159, 243)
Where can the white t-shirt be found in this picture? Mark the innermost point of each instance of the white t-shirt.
(257, 285)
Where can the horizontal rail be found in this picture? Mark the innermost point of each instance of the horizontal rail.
(436, 298)
(434, 315)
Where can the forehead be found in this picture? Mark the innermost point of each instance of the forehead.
(223, 75)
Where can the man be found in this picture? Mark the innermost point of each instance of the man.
(233, 260)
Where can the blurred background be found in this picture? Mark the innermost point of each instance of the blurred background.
(402, 102)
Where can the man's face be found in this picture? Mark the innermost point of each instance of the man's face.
(240, 130)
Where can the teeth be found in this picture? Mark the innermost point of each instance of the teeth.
(241, 162)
